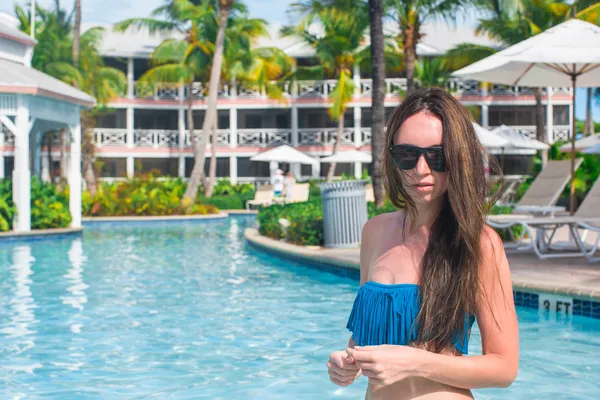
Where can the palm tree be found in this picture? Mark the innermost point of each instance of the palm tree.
(94, 78)
(76, 32)
(210, 118)
(410, 16)
(588, 126)
(378, 96)
(254, 68)
(179, 62)
(338, 49)
(53, 29)
(54, 56)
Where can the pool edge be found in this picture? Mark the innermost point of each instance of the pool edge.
(310, 255)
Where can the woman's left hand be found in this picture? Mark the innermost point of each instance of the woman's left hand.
(384, 364)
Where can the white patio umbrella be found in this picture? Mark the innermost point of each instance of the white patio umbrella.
(284, 153)
(592, 150)
(515, 138)
(582, 144)
(565, 55)
(348, 157)
(489, 139)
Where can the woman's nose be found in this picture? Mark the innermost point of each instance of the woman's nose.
(422, 168)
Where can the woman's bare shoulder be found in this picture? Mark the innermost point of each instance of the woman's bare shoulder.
(378, 223)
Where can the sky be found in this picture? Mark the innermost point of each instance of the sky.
(274, 11)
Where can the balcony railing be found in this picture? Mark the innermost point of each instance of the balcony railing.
(157, 138)
(323, 88)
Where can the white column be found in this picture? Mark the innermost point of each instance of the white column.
(130, 140)
(294, 115)
(316, 169)
(1, 152)
(75, 176)
(357, 138)
(181, 126)
(21, 173)
(356, 78)
(233, 126)
(45, 174)
(485, 117)
(549, 116)
(233, 169)
(130, 81)
(35, 143)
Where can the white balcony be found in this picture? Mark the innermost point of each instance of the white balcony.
(161, 138)
(321, 89)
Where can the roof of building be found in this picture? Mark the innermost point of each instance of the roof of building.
(438, 38)
(9, 29)
(17, 78)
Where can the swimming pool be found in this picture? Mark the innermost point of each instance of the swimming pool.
(188, 310)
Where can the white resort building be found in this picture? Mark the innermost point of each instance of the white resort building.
(144, 132)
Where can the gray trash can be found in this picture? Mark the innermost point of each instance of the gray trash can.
(344, 212)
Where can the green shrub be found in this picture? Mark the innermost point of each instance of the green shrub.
(7, 208)
(141, 196)
(386, 208)
(235, 201)
(49, 207)
(306, 220)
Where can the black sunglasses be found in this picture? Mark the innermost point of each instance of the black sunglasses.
(406, 156)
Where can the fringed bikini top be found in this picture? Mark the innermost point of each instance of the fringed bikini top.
(385, 314)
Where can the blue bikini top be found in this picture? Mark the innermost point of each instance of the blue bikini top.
(385, 314)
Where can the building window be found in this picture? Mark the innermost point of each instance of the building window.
(222, 167)
(340, 168)
(161, 166)
(561, 115)
(113, 167)
(249, 169)
(282, 121)
(253, 121)
(9, 166)
(512, 164)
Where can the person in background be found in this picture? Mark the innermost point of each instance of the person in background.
(277, 182)
(288, 185)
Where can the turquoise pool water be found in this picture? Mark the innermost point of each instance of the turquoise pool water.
(188, 310)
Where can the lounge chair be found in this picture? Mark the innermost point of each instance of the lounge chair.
(262, 197)
(587, 218)
(546, 188)
(300, 193)
(370, 194)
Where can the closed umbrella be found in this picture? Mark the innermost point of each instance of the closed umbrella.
(565, 55)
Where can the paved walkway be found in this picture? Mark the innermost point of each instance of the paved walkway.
(574, 277)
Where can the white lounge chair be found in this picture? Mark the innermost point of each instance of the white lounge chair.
(262, 197)
(586, 219)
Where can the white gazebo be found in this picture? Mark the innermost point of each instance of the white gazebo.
(32, 103)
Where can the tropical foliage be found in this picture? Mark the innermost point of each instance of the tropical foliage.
(49, 207)
(54, 55)
(338, 48)
(179, 62)
(141, 196)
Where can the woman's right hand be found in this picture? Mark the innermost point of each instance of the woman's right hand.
(342, 372)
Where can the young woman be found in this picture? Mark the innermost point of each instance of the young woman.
(432, 268)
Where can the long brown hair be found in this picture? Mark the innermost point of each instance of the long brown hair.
(449, 280)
